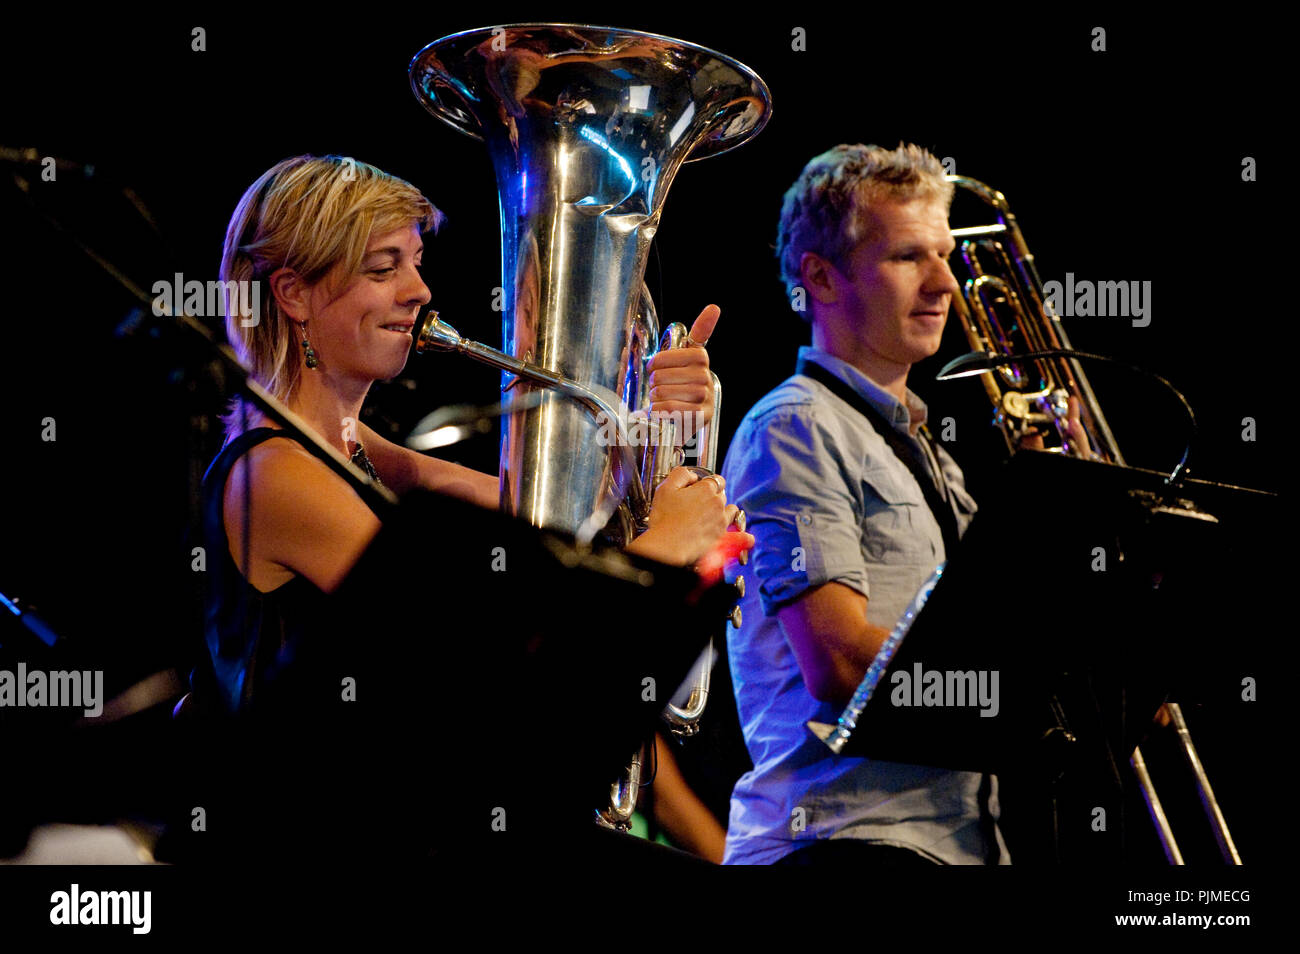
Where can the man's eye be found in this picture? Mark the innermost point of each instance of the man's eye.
(381, 271)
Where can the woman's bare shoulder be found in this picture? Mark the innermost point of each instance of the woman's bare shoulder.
(305, 518)
(272, 463)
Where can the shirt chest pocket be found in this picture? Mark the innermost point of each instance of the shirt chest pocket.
(897, 525)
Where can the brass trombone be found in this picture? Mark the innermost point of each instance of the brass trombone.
(1004, 312)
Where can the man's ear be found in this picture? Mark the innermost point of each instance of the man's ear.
(819, 277)
(291, 293)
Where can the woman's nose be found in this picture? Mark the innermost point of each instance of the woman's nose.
(415, 291)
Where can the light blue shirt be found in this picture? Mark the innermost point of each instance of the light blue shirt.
(828, 501)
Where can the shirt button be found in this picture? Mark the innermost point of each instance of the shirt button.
(805, 519)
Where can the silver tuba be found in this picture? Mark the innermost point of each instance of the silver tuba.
(586, 127)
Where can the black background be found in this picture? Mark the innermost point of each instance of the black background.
(1120, 165)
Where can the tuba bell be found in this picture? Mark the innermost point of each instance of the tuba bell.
(586, 127)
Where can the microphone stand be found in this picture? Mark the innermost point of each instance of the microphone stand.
(380, 499)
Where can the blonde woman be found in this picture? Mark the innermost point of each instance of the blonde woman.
(337, 246)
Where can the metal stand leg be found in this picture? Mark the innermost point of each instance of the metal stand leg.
(1208, 801)
(1165, 833)
(1172, 714)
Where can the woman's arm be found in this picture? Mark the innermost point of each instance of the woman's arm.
(304, 518)
(402, 469)
(680, 811)
(685, 521)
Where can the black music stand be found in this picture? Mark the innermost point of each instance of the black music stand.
(1088, 612)
(502, 678)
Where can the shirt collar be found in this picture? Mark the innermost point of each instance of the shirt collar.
(884, 402)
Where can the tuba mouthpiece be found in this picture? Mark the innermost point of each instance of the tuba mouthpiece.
(437, 335)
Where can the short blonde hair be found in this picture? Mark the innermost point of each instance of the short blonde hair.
(826, 210)
(312, 215)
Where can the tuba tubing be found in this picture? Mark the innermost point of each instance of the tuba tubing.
(437, 335)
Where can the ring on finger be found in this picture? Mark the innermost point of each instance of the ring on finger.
(717, 482)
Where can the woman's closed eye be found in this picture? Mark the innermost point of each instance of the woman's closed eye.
(386, 270)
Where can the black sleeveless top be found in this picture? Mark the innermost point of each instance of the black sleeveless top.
(251, 636)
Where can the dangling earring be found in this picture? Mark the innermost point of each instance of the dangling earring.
(307, 348)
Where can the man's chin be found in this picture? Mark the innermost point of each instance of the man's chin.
(920, 350)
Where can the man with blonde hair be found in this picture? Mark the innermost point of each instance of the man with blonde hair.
(852, 506)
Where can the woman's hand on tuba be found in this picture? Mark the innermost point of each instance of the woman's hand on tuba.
(689, 517)
(680, 381)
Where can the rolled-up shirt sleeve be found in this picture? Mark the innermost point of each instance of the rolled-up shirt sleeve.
(788, 472)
